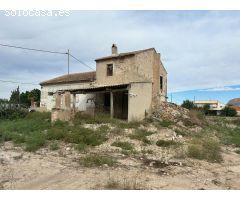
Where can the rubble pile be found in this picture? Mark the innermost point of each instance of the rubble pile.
(170, 112)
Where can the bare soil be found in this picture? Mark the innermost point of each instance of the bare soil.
(61, 169)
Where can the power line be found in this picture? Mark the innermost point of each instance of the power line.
(8, 81)
(31, 49)
(81, 62)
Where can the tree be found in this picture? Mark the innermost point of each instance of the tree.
(35, 95)
(27, 97)
(24, 98)
(15, 96)
(206, 109)
(227, 111)
(188, 104)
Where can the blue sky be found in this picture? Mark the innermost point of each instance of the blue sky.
(199, 49)
(223, 94)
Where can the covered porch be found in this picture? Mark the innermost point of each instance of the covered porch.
(111, 99)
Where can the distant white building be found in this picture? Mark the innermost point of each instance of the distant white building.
(215, 105)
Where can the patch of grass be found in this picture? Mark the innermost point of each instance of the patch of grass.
(227, 135)
(97, 160)
(127, 125)
(125, 184)
(141, 134)
(148, 151)
(54, 146)
(165, 123)
(196, 118)
(81, 147)
(35, 141)
(236, 121)
(123, 145)
(180, 132)
(166, 143)
(117, 131)
(205, 149)
(35, 129)
(98, 118)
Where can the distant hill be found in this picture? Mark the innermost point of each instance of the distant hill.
(234, 102)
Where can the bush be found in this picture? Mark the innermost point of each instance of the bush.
(205, 149)
(196, 118)
(166, 143)
(230, 112)
(97, 160)
(165, 123)
(35, 141)
(12, 113)
(54, 146)
(141, 134)
(123, 145)
(188, 104)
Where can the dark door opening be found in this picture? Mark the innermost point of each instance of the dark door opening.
(120, 105)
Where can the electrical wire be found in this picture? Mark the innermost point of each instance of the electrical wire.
(8, 81)
(31, 49)
(81, 62)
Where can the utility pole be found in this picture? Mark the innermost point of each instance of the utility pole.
(68, 61)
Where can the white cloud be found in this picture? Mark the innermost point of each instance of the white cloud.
(218, 89)
(200, 49)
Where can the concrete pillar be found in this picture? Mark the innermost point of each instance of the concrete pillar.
(67, 100)
(111, 104)
(58, 100)
(74, 102)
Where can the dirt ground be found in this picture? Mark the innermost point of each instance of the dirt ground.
(60, 169)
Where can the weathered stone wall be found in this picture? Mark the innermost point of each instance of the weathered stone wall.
(139, 101)
(121, 71)
(163, 73)
(132, 68)
(48, 100)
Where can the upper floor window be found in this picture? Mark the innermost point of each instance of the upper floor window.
(161, 82)
(109, 69)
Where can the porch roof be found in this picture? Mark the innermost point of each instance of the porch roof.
(98, 88)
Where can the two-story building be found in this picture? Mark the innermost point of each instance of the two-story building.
(126, 85)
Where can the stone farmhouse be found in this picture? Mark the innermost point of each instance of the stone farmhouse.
(125, 85)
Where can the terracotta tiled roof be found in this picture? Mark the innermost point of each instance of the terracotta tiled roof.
(124, 54)
(237, 108)
(72, 78)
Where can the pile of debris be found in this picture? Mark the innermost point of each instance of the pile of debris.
(170, 112)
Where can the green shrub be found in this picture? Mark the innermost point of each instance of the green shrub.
(123, 145)
(97, 160)
(166, 143)
(165, 123)
(35, 141)
(54, 146)
(81, 147)
(141, 134)
(205, 149)
(188, 104)
(180, 132)
(98, 118)
(228, 111)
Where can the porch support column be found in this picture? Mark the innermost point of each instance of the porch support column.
(111, 104)
(74, 102)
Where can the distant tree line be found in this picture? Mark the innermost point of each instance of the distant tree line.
(23, 98)
(16, 106)
(227, 111)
